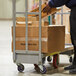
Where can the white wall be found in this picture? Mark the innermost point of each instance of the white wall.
(30, 4)
(6, 7)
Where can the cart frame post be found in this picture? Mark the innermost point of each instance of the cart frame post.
(14, 24)
(40, 57)
(26, 26)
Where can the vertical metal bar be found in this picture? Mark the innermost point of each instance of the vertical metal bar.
(26, 26)
(40, 57)
(62, 16)
(50, 20)
(14, 24)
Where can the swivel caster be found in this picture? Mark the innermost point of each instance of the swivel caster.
(37, 68)
(44, 70)
(20, 67)
(49, 59)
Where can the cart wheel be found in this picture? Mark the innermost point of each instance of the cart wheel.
(44, 70)
(49, 59)
(20, 67)
(39, 70)
(43, 60)
(70, 60)
(55, 61)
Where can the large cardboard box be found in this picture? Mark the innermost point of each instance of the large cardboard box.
(53, 38)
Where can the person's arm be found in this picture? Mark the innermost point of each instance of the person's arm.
(57, 3)
(54, 3)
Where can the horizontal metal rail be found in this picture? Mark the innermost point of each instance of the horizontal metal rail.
(63, 13)
(29, 13)
(28, 52)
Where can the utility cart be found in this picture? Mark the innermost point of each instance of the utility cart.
(31, 57)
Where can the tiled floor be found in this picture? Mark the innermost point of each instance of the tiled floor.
(8, 68)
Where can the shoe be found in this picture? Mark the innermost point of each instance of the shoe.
(73, 71)
(73, 66)
(70, 67)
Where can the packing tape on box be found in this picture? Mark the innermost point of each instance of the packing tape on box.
(32, 39)
(20, 22)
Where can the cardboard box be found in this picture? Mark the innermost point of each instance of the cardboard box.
(23, 19)
(67, 38)
(53, 38)
(36, 23)
(52, 11)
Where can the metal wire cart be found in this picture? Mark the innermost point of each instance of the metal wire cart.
(32, 57)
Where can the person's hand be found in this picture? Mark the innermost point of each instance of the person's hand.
(46, 9)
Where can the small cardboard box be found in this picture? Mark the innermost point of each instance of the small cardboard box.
(23, 19)
(53, 38)
(52, 11)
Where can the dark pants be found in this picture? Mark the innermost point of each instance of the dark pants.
(73, 28)
(73, 25)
